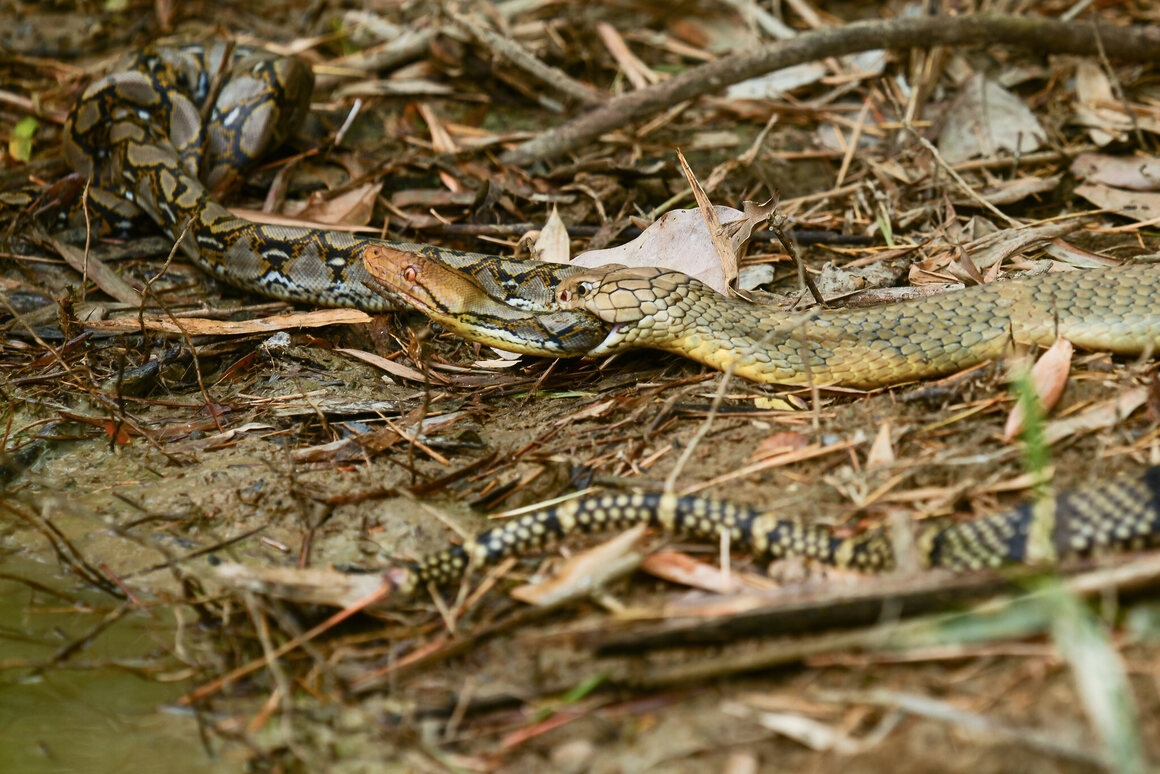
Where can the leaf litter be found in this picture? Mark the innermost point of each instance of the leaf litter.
(308, 466)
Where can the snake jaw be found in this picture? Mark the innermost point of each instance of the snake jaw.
(613, 342)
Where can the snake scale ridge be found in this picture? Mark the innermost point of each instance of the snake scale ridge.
(138, 134)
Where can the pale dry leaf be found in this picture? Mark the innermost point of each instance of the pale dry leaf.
(350, 208)
(639, 74)
(1068, 253)
(586, 571)
(1141, 206)
(275, 219)
(1140, 173)
(366, 29)
(723, 33)
(378, 361)
(218, 440)
(1098, 417)
(881, 452)
(679, 567)
(774, 84)
(1001, 245)
(1094, 97)
(194, 326)
(394, 87)
(305, 586)
(441, 140)
(739, 231)
(1011, 191)
(754, 276)
(986, 118)
(831, 137)
(505, 360)
(678, 240)
(553, 244)
(808, 732)
(1048, 378)
(721, 243)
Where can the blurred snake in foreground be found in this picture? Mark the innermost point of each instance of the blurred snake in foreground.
(138, 135)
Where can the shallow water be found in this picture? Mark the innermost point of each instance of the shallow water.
(98, 718)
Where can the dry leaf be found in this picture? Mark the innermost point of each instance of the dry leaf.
(881, 451)
(194, 326)
(729, 259)
(586, 571)
(1048, 378)
(351, 208)
(1001, 245)
(774, 84)
(679, 567)
(986, 118)
(1100, 416)
(1140, 206)
(1140, 173)
(441, 140)
(553, 244)
(678, 240)
(1093, 93)
(1076, 256)
(779, 443)
(305, 586)
(638, 73)
(390, 366)
(1011, 191)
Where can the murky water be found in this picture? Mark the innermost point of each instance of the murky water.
(101, 717)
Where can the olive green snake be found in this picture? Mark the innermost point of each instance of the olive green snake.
(138, 135)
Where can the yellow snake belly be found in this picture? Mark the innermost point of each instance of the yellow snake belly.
(1113, 309)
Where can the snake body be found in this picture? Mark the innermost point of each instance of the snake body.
(1123, 514)
(138, 135)
(1111, 309)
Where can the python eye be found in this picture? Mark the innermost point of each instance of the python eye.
(410, 274)
(581, 290)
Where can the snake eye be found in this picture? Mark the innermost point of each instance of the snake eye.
(582, 290)
(410, 274)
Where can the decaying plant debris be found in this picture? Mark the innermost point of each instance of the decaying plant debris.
(149, 443)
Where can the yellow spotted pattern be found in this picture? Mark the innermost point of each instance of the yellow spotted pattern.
(1119, 515)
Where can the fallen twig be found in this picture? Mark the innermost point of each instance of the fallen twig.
(1045, 35)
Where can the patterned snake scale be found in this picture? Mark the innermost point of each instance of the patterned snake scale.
(1123, 514)
(1110, 310)
(138, 134)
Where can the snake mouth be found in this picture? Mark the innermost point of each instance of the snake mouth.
(384, 287)
(612, 342)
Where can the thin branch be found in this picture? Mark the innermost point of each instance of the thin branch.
(1046, 35)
